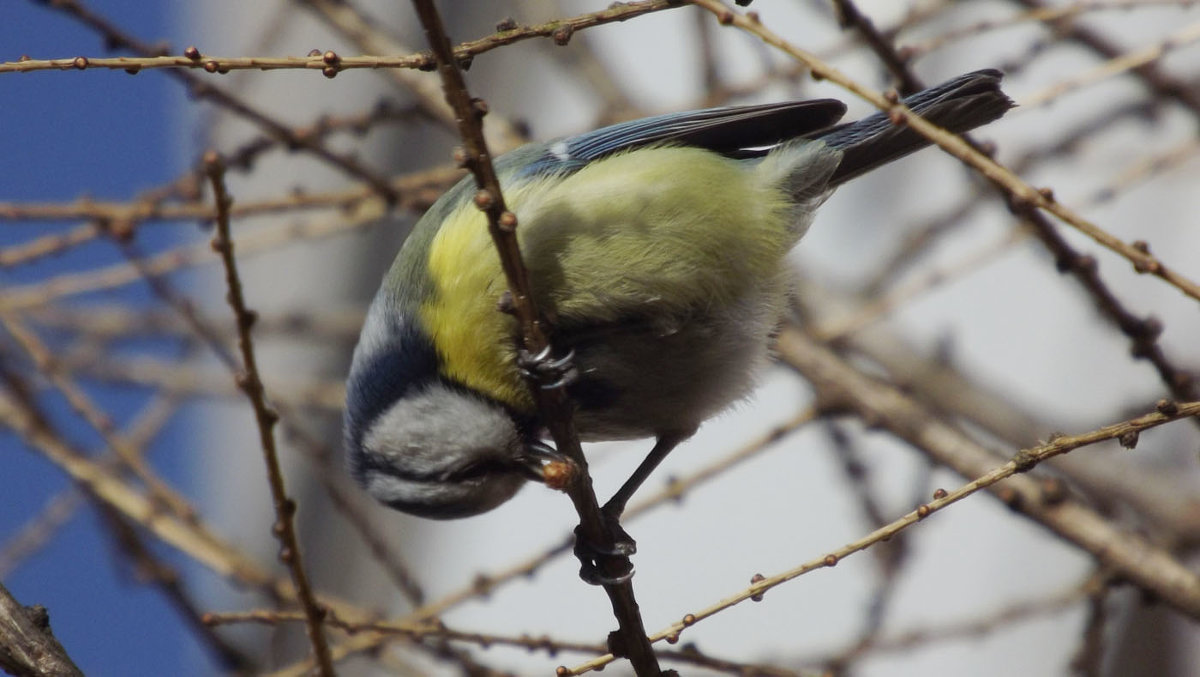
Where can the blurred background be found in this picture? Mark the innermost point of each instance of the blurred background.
(134, 503)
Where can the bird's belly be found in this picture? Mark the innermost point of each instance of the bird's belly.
(658, 378)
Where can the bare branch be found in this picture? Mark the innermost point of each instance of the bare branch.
(250, 382)
(27, 647)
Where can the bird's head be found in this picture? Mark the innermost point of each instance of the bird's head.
(421, 444)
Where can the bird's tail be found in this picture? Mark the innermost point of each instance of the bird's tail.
(959, 105)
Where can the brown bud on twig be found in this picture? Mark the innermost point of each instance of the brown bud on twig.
(558, 475)
(484, 199)
(507, 222)
(757, 578)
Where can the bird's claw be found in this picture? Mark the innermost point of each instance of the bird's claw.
(603, 564)
(548, 371)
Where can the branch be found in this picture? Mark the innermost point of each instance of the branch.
(1142, 332)
(552, 403)
(897, 64)
(1019, 192)
(1155, 78)
(131, 459)
(1124, 62)
(115, 38)
(419, 632)
(27, 647)
(485, 584)
(840, 387)
(250, 382)
(1132, 557)
(329, 63)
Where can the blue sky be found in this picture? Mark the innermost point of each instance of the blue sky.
(108, 135)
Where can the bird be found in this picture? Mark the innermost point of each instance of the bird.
(658, 248)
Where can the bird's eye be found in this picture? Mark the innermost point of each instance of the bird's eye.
(481, 469)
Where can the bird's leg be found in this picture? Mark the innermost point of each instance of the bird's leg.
(622, 544)
(615, 507)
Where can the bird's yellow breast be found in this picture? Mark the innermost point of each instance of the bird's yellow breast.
(473, 338)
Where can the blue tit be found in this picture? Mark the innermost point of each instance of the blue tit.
(657, 246)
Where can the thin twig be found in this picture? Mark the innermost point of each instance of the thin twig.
(897, 64)
(321, 455)
(1161, 82)
(1088, 660)
(1068, 12)
(1117, 65)
(263, 241)
(840, 387)
(38, 530)
(329, 63)
(1162, 499)
(166, 578)
(429, 631)
(1142, 332)
(161, 494)
(486, 584)
(1150, 567)
(115, 38)
(266, 418)
(1019, 192)
(102, 484)
(959, 630)
(195, 380)
(213, 338)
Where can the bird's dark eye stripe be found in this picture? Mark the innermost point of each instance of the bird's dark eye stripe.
(481, 468)
(367, 464)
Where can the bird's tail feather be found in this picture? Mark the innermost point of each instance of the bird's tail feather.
(959, 105)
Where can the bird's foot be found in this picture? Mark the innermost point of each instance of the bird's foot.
(606, 564)
(541, 461)
(547, 371)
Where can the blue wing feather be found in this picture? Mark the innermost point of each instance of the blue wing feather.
(730, 130)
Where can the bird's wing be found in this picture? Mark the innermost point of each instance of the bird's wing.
(659, 231)
(729, 130)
